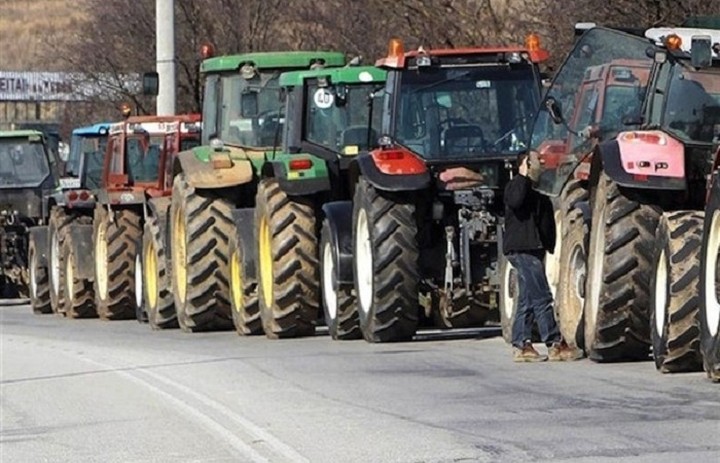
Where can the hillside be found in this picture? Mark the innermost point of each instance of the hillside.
(29, 27)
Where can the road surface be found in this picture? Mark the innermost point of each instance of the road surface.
(93, 391)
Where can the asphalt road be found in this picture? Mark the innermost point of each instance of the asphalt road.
(86, 390)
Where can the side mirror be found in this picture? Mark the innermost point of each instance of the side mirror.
(150, 83)
(249, 104)
(660, 56)
(553, 107)
(701, 51)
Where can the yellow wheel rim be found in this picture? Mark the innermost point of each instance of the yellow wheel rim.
(150, 274)
(266, 262)
(179, 246)
(101, 260)
(236, 288)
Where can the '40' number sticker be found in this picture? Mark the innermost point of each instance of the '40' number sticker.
(323, 98)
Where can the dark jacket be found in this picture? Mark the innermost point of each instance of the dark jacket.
(529, 218)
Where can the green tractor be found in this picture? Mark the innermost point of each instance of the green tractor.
(327, 124)
(242, 121)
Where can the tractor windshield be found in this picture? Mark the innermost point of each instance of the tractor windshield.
(337, 118)
(466, 112)
(143, 157)
(692, 111)
(22, 163)
(251, 111)
(88, 145)
(576, 108)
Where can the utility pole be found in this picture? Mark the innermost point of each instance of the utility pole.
(165, 45)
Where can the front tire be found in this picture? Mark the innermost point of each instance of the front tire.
(617, 316)
(57, 227)
(339, 306)
(674, 299)
(159, 302)
(79, 296)
(243, 293)
(509, 298)
(573, 273)
(386, 265)
(39, 281)
(288, 262)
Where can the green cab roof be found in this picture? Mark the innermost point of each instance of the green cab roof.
(345, 75)
(273, 60)
(20, 133)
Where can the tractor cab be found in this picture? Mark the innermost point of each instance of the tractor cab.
(461, 106)
(84, 164)
(664, 125)
(25, 162)
(242, 96)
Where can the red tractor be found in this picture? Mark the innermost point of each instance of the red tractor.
(134, 179)
(453, 122)
(646, 194)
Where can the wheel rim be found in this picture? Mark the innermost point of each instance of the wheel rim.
(33, 274)
(69, 279)
(236, 287)
(364, 262)
(55, 263)
(712, 301)
(552, 260)
(266, 264)
(179, 252)
(150, 276)
(138, 281)
(660, 293)
(578, 269)
(598, 259)
(329, 282)
(508, 293)
(101, 261)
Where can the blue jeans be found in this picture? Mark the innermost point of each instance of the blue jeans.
(535, 302)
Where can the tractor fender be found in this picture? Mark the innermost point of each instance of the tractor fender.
(635, 163)
(202, 174)
(339, 219)
(245, 228)
(40, 235)
(383, 179)
(82, 248)
(298, 186)
(158, 207)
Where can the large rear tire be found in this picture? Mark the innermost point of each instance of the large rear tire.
(39, 281)
(243, 293)
(200, 227)
(159, 302)
(710, 287)
(117, 244)
(57, 228)
(341, 314)
(386, 264)
(79, 295)
(674, 299)
(622, 241)
(573, 273)
(287, 253)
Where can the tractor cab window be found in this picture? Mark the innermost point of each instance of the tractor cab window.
(22, 163)
(692, 111)
(337, 118)
(251, 113)
(143, 157)
(466, 112)
(563, 113)
(84, 145)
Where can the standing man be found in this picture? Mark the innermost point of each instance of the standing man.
(529, 234)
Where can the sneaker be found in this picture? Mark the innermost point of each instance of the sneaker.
(562, 352)
(527, 354)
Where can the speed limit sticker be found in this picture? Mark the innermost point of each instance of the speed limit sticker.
(323, 98)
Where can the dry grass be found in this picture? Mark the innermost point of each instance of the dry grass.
(30, 29)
